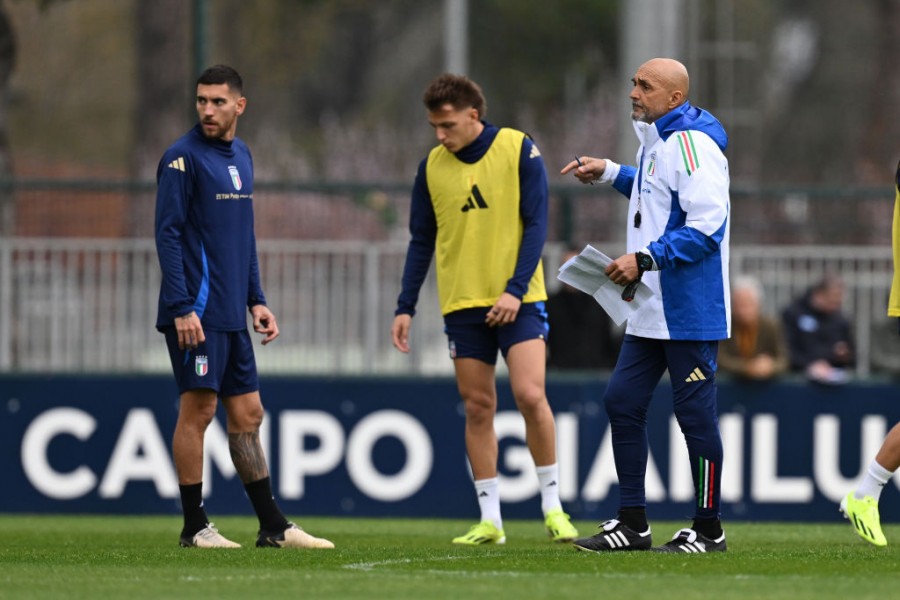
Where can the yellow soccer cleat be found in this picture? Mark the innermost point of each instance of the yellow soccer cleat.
(483, 533)
(863, 515)
(559, 527)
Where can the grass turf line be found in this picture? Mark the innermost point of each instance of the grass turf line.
(138, 557)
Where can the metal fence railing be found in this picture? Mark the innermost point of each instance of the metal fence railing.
(89, 305)
(79, 276)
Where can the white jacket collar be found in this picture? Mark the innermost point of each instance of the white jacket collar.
(647, 133)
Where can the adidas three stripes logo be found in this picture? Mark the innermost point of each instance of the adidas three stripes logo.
(616, 539)
(692, 547)
(861, 527)
(696, 375)
(476, 200)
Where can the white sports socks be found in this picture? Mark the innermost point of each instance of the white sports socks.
(548, 477)
(488, 493)
(873, 482)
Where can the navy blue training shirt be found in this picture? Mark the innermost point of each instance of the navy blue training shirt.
(204, 232)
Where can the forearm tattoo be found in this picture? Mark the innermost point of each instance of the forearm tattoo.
(247, 456)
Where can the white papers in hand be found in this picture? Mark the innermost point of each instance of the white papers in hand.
(587, 272)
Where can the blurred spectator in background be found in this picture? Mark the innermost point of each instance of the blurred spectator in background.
(582, 336)
(820, 342)
(757, 348)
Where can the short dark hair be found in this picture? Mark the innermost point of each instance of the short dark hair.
(456, 90)
(220, 74)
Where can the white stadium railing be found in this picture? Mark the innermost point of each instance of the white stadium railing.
(89, 305)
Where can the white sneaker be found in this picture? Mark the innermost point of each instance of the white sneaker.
(208, 537)
(292, 537)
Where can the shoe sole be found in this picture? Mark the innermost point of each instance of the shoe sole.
(296, 539)
(497, 542)
(607, 550)
(191, 544)
(209, 546)
(664, 550)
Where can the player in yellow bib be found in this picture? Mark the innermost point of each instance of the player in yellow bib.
(861, 505)
(479, 207)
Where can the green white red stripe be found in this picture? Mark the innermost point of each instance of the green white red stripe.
(688, 152)
(706, 482)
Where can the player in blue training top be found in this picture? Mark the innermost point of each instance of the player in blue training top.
(479, 206)
(677, 242)
(210, 277)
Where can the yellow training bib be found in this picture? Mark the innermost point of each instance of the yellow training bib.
(479, 230)
(894, 301)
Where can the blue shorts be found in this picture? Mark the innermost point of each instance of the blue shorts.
(470, 337)
(224, 363)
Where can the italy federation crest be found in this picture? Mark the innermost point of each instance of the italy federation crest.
(235, 177)
(651, 167)
(201, 365)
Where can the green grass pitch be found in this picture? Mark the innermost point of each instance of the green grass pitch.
(138, 557)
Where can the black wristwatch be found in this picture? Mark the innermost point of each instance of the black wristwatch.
(644, 263)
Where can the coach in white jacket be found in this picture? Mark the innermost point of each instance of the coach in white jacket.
(677, 243)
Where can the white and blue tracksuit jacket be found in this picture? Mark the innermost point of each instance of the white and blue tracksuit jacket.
(681, 190)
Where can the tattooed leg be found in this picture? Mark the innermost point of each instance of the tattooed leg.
(245, 415)
(247, 456)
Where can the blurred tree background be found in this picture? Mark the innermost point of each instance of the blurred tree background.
(807, 89)
(93, 91)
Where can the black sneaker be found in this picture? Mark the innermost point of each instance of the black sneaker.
(615, 536)
(688, 540)
(292, 537)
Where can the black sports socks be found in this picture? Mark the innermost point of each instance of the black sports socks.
(192, 506)
(270, 516)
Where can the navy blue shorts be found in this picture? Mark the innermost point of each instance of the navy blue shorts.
(470, 337)
(224, 363)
